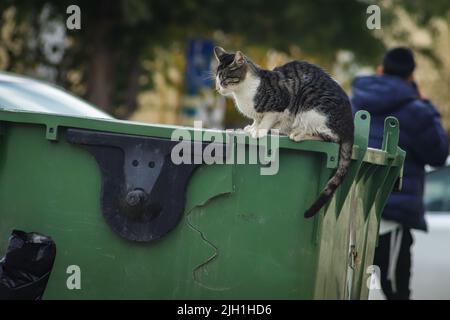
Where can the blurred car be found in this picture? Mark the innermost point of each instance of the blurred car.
(26, 94)
(430, 251)
(431, 258)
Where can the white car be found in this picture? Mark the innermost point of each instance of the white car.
(25, 94)
(431, 251)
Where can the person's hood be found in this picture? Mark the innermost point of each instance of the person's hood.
(381, 93)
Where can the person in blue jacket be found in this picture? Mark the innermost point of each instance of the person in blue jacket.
(393, 92)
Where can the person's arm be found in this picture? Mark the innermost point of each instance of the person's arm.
(431, 145)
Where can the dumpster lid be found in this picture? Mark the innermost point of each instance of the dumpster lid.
(53, 122)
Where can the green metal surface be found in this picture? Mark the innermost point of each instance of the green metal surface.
(242, 235)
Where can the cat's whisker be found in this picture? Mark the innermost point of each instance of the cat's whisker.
(208, 75)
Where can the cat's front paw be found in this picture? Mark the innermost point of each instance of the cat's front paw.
(296, 136)
(258, 133)
(248, 128)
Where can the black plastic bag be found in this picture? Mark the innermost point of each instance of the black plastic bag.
(26, 267)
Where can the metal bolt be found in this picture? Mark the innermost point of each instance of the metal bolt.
(135, 197)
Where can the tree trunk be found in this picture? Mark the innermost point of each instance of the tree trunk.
(101, 72)
(101, 78)
(132, 88)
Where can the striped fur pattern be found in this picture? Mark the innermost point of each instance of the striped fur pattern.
(298, 98)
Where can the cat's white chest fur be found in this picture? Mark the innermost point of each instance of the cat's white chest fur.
(244, 96)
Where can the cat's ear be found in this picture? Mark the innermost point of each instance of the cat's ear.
(219, 52)
(239, 58)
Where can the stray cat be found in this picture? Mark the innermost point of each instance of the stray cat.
(298, 98)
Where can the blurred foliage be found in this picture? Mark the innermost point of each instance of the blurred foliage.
(117, 35)
(425, 10)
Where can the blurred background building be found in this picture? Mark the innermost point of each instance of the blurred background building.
(151, 60)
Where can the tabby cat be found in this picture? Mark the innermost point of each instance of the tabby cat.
(298, 98)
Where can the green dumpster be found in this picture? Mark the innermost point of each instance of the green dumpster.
(134, 225)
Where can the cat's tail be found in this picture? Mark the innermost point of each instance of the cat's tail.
(345, 157)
